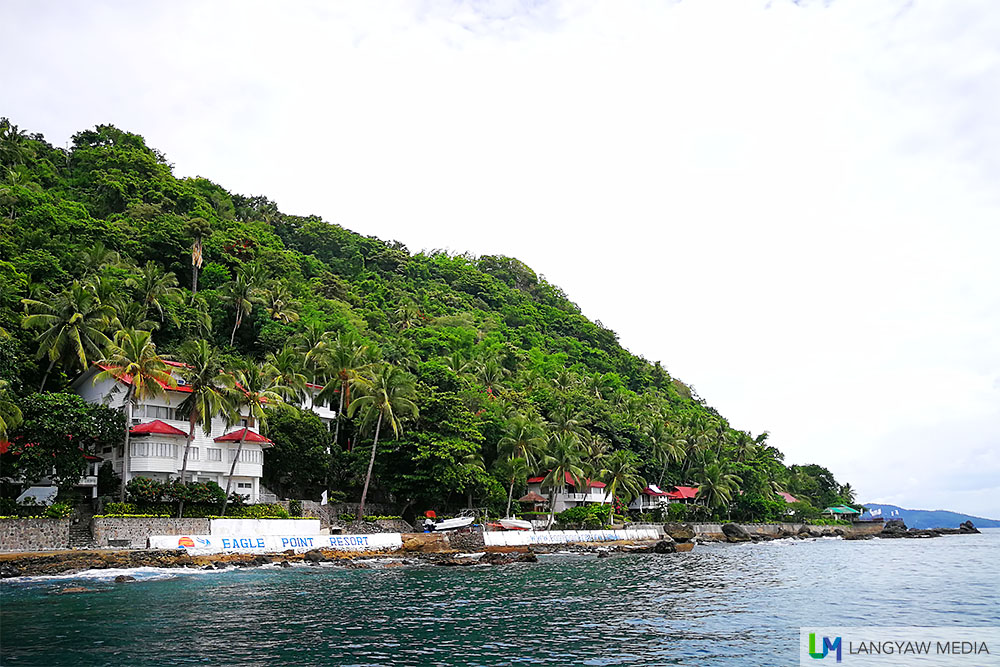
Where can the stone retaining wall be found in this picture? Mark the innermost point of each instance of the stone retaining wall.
(133, 532)
(34, 534)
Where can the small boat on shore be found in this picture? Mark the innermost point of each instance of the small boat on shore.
(457, 523)
(511, 523)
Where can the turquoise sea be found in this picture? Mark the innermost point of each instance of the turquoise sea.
(720, 604)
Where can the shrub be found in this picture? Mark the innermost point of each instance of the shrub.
(58, 510)
(347, 517)
(121, 508)
(194, 492)
(589, 516)
(295, 507)
(261, 511)
(144, 490)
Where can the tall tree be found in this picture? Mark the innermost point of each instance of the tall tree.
(242, 293)
(621, 476)
(10, 414)
(288, 363)
(279, 305)
(343, 359)
(564, 458)
(132, 361)
(524, 441)
(717, 485)
(72, 326)
(259, 390)
(211, 389)
(96, 257)
(199, 229)
(388, 394)
(154, 287)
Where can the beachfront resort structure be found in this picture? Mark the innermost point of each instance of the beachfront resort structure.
(159, 433)
(572, 493)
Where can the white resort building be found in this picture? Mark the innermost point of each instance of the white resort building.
(158, 435)
(570, 494)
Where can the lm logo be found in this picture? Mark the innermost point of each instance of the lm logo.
(827, 647)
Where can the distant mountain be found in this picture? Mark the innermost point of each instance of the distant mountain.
(930, 518)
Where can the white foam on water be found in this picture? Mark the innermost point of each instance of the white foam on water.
(109, 574)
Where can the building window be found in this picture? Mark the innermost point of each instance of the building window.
(193, 454)
(214, 454)
(159, 412)
(162, 450)
(244, 485)
(246, 456)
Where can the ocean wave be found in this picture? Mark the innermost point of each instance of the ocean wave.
(109, 574)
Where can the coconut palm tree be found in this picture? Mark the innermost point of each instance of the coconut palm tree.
(567, 421)
(668, 445)
(491, 375)
(10, 414)
(154, 287)
(717, 485)
(259, 390)
(387, 395)
(525, 442)
(312, 343)
(242, 293)
(288, 363)
(132, 360)
(279, 305)
(97, 257)
(199, 228)
(563, 459)
(621, 476)
(72, 326)
(210, 393)
(343, 359)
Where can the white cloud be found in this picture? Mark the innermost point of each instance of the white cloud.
(794, 207)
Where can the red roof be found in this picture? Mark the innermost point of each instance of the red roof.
(649, 492)
(683, 493)
(569, 480)
(237, 435)
(789, 498)
(156, 426)
(127, 379)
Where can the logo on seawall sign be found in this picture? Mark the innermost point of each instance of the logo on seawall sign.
(828, 646)
(185, 542)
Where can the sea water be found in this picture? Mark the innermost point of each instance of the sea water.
(719, 604)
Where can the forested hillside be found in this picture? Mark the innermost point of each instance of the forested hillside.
(491, 372)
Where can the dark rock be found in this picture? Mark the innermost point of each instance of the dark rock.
(75, 589)
(967, 527)
(665, 546)
(735, 533)
(679, 532)
(122, 578)
(603, 554)
(284, 563)
(314, 557)
(529, 557)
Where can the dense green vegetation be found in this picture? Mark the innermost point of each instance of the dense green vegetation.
(455, 375)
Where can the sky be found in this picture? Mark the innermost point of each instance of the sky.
(795, 206)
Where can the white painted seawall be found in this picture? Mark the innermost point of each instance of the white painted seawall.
(511, 538)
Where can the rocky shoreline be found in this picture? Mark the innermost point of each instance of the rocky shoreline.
(417, 549)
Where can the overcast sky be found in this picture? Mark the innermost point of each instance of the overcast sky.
(795, 206)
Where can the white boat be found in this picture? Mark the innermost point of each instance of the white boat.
(449, 524)
(515, 524)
